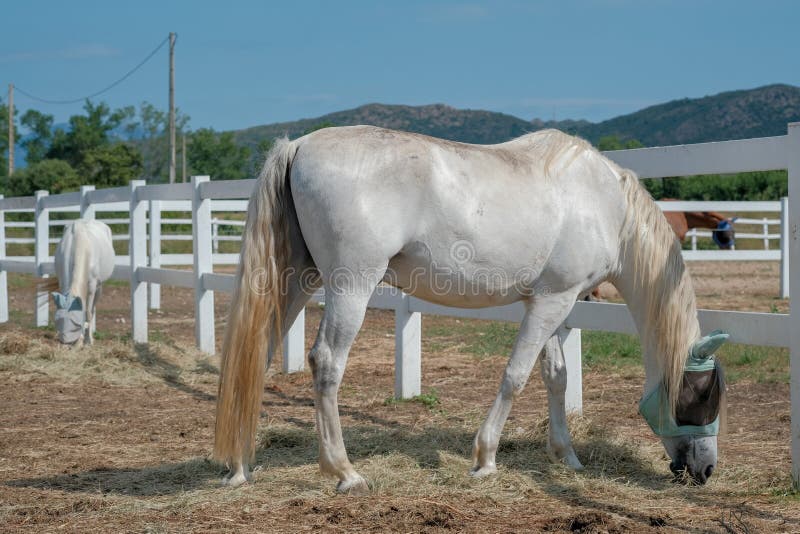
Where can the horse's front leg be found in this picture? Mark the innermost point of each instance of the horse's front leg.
(554, 374)
(343, 316)
(542, 317)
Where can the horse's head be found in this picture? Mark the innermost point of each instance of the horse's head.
(69, 318)
(724, 235)
(690, 438)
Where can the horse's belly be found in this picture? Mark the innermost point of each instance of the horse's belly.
(464, 285)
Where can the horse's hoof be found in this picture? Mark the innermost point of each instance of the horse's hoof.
(235, 480)
(353, 486)
(569, 459)
(480, 472)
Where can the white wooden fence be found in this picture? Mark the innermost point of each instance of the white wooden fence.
(779, 330)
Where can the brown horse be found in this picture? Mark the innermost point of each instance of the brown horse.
(681, 222)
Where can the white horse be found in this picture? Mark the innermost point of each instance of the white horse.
(541, 219)
(84, 260)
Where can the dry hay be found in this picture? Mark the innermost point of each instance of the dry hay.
(126, 446)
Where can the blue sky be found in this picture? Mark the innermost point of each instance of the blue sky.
(245, 63)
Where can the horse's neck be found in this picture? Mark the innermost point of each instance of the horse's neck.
(701, 220)
(670, 300)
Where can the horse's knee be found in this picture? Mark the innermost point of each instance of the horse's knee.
(323, 367)
(513, 384)
(554, 374)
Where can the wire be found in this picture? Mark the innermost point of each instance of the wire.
(100, 92)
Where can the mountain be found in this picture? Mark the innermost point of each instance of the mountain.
(438, 120)
(760, 112)
(764, 111)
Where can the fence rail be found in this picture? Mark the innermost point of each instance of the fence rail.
(144, 265)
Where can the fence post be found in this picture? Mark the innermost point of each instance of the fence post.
(215, 235)
(137, 250)
(203, 263)
(693, 231)
(793, 168)
(571, 346)
(407, 350)
(3, 274)
(765, 224)
(87, 209)
(784, 248)
(41, 226)
(155, 251)
(294, 345)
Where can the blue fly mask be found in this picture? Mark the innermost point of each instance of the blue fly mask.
(697, 412)
(724, 236)
(69, 317)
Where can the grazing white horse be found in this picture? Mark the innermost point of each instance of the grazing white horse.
(541, 219)
(84, 260)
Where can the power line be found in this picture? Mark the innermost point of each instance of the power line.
(100, 92)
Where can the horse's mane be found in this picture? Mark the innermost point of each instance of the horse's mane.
(554, 148)
(660, 272)
(648, 238)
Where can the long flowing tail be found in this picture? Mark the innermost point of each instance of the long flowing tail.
(256, 309)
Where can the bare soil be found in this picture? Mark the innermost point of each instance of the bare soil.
(117, 438)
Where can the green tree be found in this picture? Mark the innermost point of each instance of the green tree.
(54, 175)
(110, 165)
(40, 137)
(217, 155)
(153, 139)
(612, 142)
(87, 132)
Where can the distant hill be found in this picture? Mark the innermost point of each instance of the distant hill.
(438, 120)
(732, 115)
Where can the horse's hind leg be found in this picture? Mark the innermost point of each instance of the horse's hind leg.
(543, 315)
(554, 374)
(344, 313)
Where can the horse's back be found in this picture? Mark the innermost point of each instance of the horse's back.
(369, 193)
(96, 241)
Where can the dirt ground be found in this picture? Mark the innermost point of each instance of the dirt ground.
(117, 438)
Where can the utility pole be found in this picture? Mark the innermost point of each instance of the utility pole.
(10, 129)
(172, 107)
(183, 158)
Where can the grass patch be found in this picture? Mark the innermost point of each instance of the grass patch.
(429, 399)
(608, 350)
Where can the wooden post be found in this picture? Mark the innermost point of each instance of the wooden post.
(203, 263)
(137, 246)
(10, 130)
(41, 254)
(785, 248)
(155, 251)
(172, 107)
(793, 168)
(407, 350)
(294, 345)
(571, 346)
(3, 273)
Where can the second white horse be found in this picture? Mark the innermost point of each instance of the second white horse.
(84, 260)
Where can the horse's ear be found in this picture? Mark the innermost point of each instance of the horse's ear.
(706, 346)
(58, 300)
